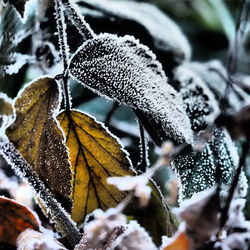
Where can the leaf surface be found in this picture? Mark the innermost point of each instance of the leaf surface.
(36, 134)
(14, 219)
(123, 69)
(95, 155)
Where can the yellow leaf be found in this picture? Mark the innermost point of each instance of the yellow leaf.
(37, 136)
(95, 155)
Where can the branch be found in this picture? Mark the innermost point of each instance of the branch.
(57, 213)
(78, 20)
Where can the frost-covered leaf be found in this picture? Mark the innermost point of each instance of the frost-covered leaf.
(14, 219)
(95, 155)
(214, 75)
(7, 113)
(197, 170)
(12, 33)
(31, 239)
(18, 4)
(142, 20)
(36, 134)
(199, 101)
(123, 69)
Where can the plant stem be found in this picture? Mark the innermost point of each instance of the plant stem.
(142, 165)
(57, 213)
(78, 20)
(64, 50)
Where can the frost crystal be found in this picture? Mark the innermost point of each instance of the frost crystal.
(199, 101)
(197, 170)
(122, 69)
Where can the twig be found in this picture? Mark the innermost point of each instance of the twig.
(64, 51)
(142, 165)
(110, 113)
(55, 210)
(224, 212)
(78, 20)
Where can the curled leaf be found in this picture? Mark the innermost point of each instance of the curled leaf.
(95, 155)
(14, 219)
(122, 69)
(36, 134)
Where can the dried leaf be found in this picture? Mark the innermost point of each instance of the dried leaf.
(95, 155)
(181, 242)
(36, 134)
(31, 239)
(123, 69)
(14, 219)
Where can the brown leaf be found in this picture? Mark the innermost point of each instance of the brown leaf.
(14, 219)
(37, 136)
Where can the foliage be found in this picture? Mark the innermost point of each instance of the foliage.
(96, 181)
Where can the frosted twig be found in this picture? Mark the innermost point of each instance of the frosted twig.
(54, 209)
(78, 20)
(64, 50)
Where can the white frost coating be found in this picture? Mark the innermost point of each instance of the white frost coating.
(167, 35)
(136, 183)
(200, 102)
(123, 69)
(135, 237)
(7, 112)
(20, 61)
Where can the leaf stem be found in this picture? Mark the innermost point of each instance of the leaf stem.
(142, 165)
(55, 210)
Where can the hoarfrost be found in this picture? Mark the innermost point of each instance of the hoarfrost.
(199, 101)
(214, 74)
(123, 69)
(166, 35)
(135, 237)
(197, 170)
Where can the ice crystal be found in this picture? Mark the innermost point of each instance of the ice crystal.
(166, 35)
(199, 101)
(197, 170)
(214, 75)
(123, 69)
